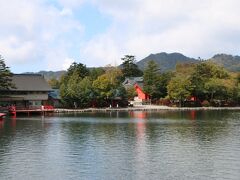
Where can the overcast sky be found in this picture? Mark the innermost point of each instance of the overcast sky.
(51, 34)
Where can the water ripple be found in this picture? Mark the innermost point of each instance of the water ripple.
(150, 146)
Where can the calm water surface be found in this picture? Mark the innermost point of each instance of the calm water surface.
(127, 145)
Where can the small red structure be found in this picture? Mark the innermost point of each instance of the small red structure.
(193, 98)
(137, 83)
(141, 94)
(12, 110)
(2, 115)
(48, 107)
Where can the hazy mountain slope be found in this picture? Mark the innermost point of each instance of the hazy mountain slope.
(230, 62)
(166, 61)
(49, 74)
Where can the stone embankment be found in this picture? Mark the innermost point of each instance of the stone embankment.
(143, 108)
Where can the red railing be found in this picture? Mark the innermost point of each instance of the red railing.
(48, 107)
(14, 108)
(4, 109)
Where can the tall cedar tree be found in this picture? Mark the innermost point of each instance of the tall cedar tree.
(71, 88)
(78, 68)
(151, 80)
(5, 76)
(129, 67)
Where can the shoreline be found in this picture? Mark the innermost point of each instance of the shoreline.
(142, 108)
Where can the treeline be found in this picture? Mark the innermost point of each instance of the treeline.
(97, 87)
(202, 84)
(208, 83)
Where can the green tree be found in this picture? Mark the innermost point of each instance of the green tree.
(206, 79)
(129, 67)
(77, 91)
(71, 87)
(163, 82)
(54, 83)
(179, 88)
(237, 77)
(78, 68)
(5, 76)
(95, 72)
(151, 80)
(86, 93)
(131, 93)
(105, 83)
(236, 94)
(230, 85)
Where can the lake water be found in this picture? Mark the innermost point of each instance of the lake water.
(122, 145)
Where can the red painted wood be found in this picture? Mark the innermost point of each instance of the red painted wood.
(141, 94)
(2, 115)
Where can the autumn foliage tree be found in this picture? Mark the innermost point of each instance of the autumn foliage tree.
(108, 85)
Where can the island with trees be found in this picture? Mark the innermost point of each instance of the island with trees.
(191, 84)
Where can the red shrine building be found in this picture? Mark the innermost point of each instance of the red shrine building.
(137, 83)
(140, 92)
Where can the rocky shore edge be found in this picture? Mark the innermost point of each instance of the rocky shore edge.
(143, 108)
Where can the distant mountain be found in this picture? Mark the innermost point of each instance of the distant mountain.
(52, 74)
(49, 74)
(166, 61)
(231, 63)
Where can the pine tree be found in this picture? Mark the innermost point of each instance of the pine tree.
(129, 67)
(5, 76)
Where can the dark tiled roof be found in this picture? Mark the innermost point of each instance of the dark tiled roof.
(30, 82)
(55, 94)
(140, 84)
(133, 80)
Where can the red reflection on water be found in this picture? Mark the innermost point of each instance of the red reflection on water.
(193, 114)
(138, 114)
(141, 126)
(13, 116)
(141, 123)
(1, 123)
(141, 139)
(13, 121)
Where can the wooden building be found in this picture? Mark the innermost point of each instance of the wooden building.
(30, 90)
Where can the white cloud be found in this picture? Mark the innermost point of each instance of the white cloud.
(15, 50)
(101, 51)
(195, 28)
(35, 31)
(66, 63)
(66, 12)
(71, 3)
(40, 31)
